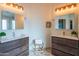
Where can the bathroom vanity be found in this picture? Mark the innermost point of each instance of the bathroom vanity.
(18, 47)
(63, 41)
(65, 46)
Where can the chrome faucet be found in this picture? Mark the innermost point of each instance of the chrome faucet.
(14, 34)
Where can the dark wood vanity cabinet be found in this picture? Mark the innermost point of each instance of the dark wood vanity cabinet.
(65, 46)
(18, 47)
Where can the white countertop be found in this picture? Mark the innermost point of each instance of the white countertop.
(10, 39)
(70, 37)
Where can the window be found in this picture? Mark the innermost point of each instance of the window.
(71, 24)
(4, 24)
(61, 23)
(13, 24)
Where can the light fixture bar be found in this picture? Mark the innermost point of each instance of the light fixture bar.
(15, 6)
(67, 6)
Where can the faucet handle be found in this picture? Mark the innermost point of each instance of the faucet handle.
(13, 34)
(63, 33)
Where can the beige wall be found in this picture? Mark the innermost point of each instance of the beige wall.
(38, 14)
(78, 26)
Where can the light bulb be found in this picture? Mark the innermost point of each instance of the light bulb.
(11, 5)
(16, 6)
(72, 6)
(21, 8)
(61, 9)
(66, 7)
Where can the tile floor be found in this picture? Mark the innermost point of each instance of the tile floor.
(40, 53)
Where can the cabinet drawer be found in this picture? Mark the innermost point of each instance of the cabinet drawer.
(59, 53)
(65, 49)
(65, 41)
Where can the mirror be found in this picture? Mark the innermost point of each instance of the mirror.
(68, 21)
(7, 20)
(11, 21)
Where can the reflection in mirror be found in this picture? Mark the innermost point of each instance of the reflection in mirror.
(68, 21)
(19, 21)
(71, 24)
(13, 24)
(8, 20)
(4, 24)
(61, 23)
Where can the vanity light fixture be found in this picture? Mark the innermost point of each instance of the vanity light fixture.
(15, 6)
(66, 7)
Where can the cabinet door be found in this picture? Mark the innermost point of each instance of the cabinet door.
(19, 21)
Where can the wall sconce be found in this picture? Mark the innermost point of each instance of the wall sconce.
(66, 7)
(15, 6)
